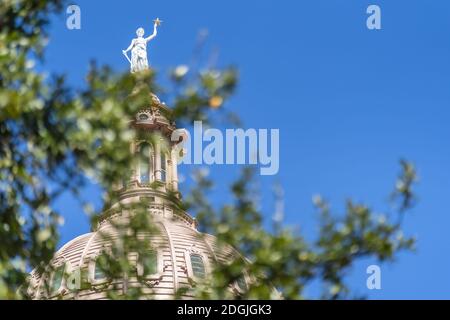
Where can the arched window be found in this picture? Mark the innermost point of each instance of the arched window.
(145, 162)
(198, 267)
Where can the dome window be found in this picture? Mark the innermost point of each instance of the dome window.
(242, 283)
(97, 274)
(198, 267)
(57, 279)
(149, 264)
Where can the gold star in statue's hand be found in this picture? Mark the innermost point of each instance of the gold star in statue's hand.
(157, 22)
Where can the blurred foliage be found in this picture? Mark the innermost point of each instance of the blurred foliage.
(54, 139)
(283, 258)
(119, 262)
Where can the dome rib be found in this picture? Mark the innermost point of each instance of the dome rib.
(211, 251)
(87, 247)
(173, 256)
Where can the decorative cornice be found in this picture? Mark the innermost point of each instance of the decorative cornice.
(156, 209)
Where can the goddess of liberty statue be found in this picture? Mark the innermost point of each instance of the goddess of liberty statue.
(138, 47)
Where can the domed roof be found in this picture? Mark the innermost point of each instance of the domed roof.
(178, 256)
(182, 254)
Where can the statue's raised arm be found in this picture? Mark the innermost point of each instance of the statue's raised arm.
(156, 24)
(155, 32)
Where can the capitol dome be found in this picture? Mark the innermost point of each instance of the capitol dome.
(179, 256)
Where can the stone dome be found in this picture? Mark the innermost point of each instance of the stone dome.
(183, 255)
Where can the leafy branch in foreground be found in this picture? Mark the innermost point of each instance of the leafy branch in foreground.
(55, 139)
(283, 259)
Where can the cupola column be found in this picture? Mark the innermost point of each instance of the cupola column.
(174, 170)
(134, 172)
(158, 160)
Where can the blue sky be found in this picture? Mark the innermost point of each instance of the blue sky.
(349, 104)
